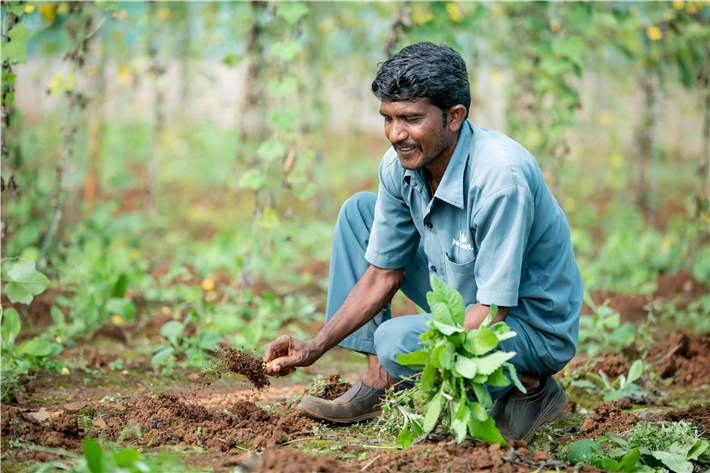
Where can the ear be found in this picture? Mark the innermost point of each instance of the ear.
(456, 116)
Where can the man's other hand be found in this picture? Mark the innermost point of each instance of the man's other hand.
(478, 313)
(285, 353)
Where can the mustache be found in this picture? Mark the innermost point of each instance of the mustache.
(406, 144)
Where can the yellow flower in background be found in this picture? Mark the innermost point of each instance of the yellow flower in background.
(116, 319)
(678, 4)
(165, 310)
(29, 8)
(654, 33)
(421, 14)
(48, 11)
(207, 284)
(497, 76)
(165, 14)
(692, 8)
(566, 373)
(454, 12)
(555, 24)
(605, 119)
(65, 370)
(58, 339)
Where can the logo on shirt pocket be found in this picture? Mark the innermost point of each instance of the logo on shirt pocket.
(462, 242)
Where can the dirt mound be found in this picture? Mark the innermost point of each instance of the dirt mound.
(162, 419)
(613, 365)
(62, 432)
(607, 418)
(698, 414)
(685, 358)
(334, 389)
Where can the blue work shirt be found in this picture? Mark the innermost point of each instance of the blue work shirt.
(492, 231)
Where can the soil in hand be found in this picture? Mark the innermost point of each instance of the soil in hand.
(62, 432)
(235, 361)
(334, 388)
(163, 419)
(685, 358)
(607, 418)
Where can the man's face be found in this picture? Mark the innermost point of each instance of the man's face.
(416, 130)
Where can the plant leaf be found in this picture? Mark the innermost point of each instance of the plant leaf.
(433, 411)
(15, 50)
(253, 179)
(440, 313)
(11, 325)
(417, 358)
(674, 462)
(451, 298)
(94, 456)
(635, 371)
(482, 394)
(404, 439)
(37, 347)
(481, 341)
(465, 366)
(161, 356)
(446, 329)
(498, 378)
(513, 373)
(446, 356)
(25, 282)
(582, 451)
(172, 330)
(485, 430)
(488, 364)
(428, 378)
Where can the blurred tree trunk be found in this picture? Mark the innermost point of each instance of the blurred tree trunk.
(96, 131)
(156, 70)
(10, 185)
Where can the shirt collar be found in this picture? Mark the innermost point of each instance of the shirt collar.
(450, 188)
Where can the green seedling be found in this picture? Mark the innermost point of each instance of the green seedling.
(621, 387)
(603, 330)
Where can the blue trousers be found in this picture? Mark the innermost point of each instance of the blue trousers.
(387, 337)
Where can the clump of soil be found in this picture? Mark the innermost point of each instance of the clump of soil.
(165, 420)
(607, 418)
(334, 389)
(698, 414)
(685, 358)
(613, 365)
(62, 432)
(236, 361)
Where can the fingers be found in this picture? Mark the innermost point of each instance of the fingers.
(278, 347)
(284, 365)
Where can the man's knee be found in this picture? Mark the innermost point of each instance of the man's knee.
(359, 207)
(392, 339)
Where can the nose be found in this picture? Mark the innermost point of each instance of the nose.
(396, 132)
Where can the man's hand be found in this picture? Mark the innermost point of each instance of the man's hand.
(478, 313)
(286, 353)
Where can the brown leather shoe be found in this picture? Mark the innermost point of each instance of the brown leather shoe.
(359, 403)
(519, 418)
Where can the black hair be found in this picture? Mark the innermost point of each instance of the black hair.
(434, 71)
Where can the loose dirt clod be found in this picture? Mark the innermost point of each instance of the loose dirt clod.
(685, 358)
(607, 418)
(62, 432)
(335, 388)
(698, 414)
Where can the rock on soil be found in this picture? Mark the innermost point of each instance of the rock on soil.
(165, 420)
(62, 432)
(685, 358)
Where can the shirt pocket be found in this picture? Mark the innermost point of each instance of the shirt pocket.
(461, 276)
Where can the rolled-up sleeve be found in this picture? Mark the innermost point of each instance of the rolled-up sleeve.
(394, 237)
(501, 228)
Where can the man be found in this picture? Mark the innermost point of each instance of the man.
(468, 205)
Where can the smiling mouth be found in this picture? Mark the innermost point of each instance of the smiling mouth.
(407, 149)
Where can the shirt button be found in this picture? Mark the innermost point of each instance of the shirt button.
(433, 268)
(429, 225)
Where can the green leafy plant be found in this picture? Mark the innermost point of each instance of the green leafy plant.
(603, 330)
(677, 449)
(19, 359)
(621, 387)
(193, 347)
(457, 364)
